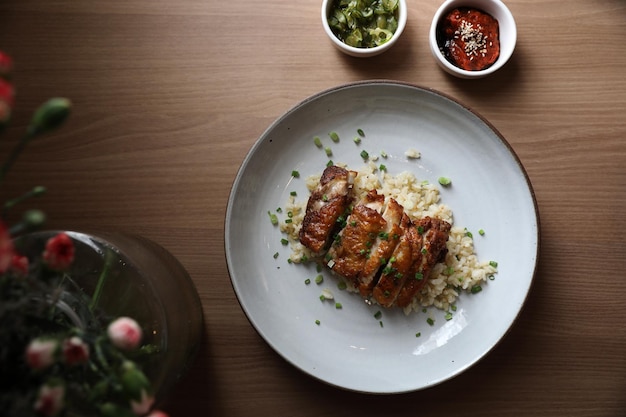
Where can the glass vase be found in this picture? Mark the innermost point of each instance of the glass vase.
(129, 275)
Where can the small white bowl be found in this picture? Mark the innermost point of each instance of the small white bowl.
(508, 35)
(364, 52)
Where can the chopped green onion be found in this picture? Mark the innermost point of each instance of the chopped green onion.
(481, 232)
(273, 218)
(492, 277)
(380, 323)
(383, 154)
(453, 307)
(342, 285)
(284, 241)
(364, 155)
(319, 279)
(419, 276)
(322, 297)
(318, 268)
(338, 306)
(445, 181)
(279, 210)
(317, 322)
(295, 174)
(476, 289)
(328, 151)
(290, 214)
(334, 136)
(378, 315)
(293, 193)
(288, 221)
(360, 132)
(357, 140)
(330, 164)
(317, 141)
(276, 255)
(307, 281)
(418, 334)
(468, 233)
(430, 321)
(383, 167)
(448, 316)
(493, 263)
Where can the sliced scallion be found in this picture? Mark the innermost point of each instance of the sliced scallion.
(445, 181)
(334, 136)
(317, 141)
(273, 218)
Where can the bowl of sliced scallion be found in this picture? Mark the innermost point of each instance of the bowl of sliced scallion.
(364, 28)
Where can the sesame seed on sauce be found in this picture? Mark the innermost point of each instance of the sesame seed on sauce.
(469, 39)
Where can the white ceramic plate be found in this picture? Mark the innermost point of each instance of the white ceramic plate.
(349, 348)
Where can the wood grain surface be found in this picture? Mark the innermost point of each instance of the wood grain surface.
(169, 96)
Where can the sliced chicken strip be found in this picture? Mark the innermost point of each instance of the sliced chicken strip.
(383, 247)
(401, 265)
(349, 252)
(326, 204)
(435, 233)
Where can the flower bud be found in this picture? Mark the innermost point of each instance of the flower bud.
(50, 115)
(75, 351)
(59, 252)
(40, 353)
(137, 387)
(125, 333)
(50, 400)
(143, 406)
(19, 265)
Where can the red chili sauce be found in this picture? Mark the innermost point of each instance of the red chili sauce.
(469, 38)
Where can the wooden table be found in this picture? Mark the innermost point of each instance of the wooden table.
(169, 96)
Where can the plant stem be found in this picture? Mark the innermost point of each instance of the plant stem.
(108, 261)
(15, 154)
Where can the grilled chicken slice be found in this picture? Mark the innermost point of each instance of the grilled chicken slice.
(401, 266)
(326, 204)
(383, 247)
(349, 252)
(434, 234)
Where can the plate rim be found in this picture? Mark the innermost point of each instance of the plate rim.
(394, 83)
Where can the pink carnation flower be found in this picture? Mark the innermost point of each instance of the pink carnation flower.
(50, 400)
(59, 252)
(125, 333)
(75, 351)
(40, 353)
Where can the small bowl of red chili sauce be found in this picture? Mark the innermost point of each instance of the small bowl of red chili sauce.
(472, 38)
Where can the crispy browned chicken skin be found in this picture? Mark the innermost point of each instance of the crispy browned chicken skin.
(373, 245)
(326, 204)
